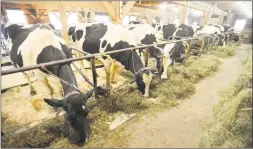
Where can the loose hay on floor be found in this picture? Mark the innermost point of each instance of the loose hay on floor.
(232, 126)
(180, 85)
(222, 52)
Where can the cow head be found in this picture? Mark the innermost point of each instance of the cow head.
(143, 79)
(76, 115)
(178, 52)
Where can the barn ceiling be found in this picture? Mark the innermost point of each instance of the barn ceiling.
(236, 7)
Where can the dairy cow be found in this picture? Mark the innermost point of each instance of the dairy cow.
(35, 44)
(230, 31)
(144, 34)
(173, 52)
(212, 29)
(99, 38)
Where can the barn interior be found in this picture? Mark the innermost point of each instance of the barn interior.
(29, 122)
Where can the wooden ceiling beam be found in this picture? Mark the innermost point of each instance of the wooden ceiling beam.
(27, 12)
(128, 7)
(109, 9)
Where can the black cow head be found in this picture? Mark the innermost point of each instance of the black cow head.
(178, 52)
(143, 79)
(76, 115)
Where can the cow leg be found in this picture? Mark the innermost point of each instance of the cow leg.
(145, 54)
(166, 62)
(147, 78)
(32, 90)
(107, 65)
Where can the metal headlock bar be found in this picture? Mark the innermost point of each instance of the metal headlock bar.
(64, 61)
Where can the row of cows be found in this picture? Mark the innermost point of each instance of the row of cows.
(40, 43)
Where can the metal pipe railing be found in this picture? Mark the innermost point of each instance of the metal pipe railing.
(64, 61)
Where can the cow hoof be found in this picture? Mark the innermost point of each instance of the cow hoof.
(33, 93)
(164, 77)
(145, 95)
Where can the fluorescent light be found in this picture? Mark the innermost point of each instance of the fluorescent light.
(163, 6)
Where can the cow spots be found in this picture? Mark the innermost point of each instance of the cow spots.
(131, 28)
(104, 43)
(71, 30)
(50, 53)
(79, 34)
(73, 38)
(159, 28)
(148, 39)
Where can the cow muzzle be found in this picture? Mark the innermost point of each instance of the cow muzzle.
(146, 70)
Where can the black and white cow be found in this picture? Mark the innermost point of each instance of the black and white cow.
(173, 52)
(230, 31)
(99, 38)
(170, 31)
(144, 34)
(212, 29)
(35, 44)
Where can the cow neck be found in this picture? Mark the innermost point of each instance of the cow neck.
(135, 62)
(130, 60)
(66, 73)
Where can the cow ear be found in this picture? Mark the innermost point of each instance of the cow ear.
(88, 94)
(54, 102)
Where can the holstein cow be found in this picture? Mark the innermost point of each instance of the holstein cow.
(99, 38)
(173, 52)
(35, 44)
(212, 29)
(145, 34)
(230, 31)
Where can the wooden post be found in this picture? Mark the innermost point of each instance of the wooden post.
(113, 10)
(117, 12)
(64, 23)
(128, 7)
(182, 13)
(220, 19)
(206, 14)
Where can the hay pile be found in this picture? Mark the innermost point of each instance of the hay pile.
(232, 124)
(228, 50)
(37, 137)
(180, 85)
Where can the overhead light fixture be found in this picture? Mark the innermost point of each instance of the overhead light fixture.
(163, 6)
